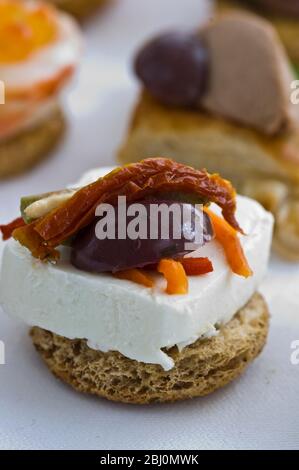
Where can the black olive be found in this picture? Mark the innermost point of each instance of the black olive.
(91, 254)
(174, 68)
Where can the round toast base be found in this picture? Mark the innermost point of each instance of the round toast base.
(199, 370)
(26, 149)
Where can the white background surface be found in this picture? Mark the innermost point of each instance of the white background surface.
(260, 410)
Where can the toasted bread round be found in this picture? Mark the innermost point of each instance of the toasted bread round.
(79, 8)
(200, 368)
(21, 152)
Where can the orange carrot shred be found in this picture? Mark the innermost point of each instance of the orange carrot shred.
(228, 238)
(197, 266)
(135, 275)
(174, 273)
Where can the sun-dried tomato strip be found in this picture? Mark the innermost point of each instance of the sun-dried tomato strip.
(29, 238)
(135, 181)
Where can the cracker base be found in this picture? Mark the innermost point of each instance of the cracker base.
(200, 368)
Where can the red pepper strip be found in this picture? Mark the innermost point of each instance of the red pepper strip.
(197, 266)
(135, 181)
(228, 237)
(7, 230)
